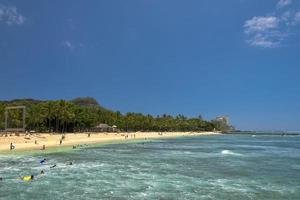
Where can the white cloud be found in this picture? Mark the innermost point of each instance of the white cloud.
(270, 31)
(260, 24)
(267, 40)
(262, 41)
(10, 16)
(264, 31)
(283, 3)
(291, 18)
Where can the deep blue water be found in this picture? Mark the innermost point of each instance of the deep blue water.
(209, 167)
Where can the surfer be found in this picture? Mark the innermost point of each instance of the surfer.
(27, 178)
(43, 161)
(53, 166)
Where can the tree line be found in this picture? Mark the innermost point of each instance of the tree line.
(83, 114)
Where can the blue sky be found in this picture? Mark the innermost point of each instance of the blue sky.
(208, 57)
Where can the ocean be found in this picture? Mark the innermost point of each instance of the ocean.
(206, 167)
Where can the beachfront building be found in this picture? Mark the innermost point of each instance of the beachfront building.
(222, 122)
(223, 119)
(115, 128)
(105, 128)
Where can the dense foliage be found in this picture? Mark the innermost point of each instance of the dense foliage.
(82, 114)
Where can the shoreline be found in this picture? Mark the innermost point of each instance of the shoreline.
(34, 142)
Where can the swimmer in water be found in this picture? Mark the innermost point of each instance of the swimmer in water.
(43, 161)
(53, 166)
(28, 178)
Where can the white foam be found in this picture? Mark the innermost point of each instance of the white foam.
(228, 152)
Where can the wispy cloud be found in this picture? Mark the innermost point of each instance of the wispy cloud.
(261, 24)
(291, 18)
(67, 44)
(72, 45)
(297, 18)
(263, 31)
(283, 3)
(269, 31)
(10, 16)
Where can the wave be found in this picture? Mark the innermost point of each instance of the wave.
(228, 152)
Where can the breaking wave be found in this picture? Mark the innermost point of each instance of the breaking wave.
(228, 152)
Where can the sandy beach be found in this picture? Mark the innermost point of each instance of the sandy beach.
(37, 141)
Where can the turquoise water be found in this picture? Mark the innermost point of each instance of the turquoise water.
(210, 167)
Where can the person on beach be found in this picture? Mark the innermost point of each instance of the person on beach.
(60, 142)
(12, 146)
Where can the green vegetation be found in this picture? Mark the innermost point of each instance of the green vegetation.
(82, 114)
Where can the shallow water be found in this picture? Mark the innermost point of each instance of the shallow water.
(208, 167)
